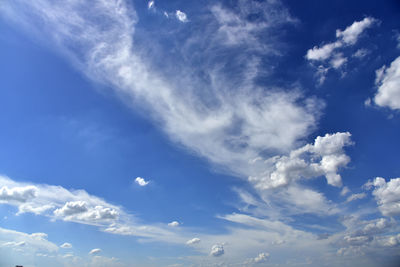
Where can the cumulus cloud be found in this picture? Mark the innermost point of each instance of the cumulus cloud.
(66, 245)
(71, 208)
(193, 241)
(174, 224)
(18, 194)
(58, 202)
(217, 250)
(262, 257)
(78, 210)
(328, 54)
(323, 158)
(387, 195)
(388, 83)
(141, 181)
(181, 16)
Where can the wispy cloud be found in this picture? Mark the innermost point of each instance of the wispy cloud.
(327, 55)
(226, 128)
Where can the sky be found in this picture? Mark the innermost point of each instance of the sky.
(199, 133)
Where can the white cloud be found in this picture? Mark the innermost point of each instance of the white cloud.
(323, 52)
(361, 53)
(230, 130)
(262, 257)
(58, 202)
(328, 54)
(356, 196)
(338, 60)
(323, 158)
(95, 251)
(181, 16)
(351, 34)
(66, 245)
(150, 5)
(18, 194)
(236, 29)
(173, 224)
(388, 82)
(387, 195)
(29, 242)
(71, 208)
(193, 241)
(140, 181)
(217, 250)
(344, 191)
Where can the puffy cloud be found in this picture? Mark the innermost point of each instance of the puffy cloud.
(181, 16)
(193, 241)
(217, 250)
(323, 158)
(58, 202)
(66, 245)
(95, 251)
(140, 181)
(173, 224)
(388, 82)
(387, 195)
(262, 257)
(71, 208)
(356, 196)
(323, 52)
(18, 194)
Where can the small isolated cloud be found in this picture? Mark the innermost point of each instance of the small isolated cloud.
(140, 181)
(181, 16)
(361, 53)
(150, 5)
(193, 241)
(387, 195)
(66, 245)
(95, 251)
(262, 257)
(217, 250)
(356, 196)
(388, 83)
(174, 224)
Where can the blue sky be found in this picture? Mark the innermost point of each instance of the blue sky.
(199, 133)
